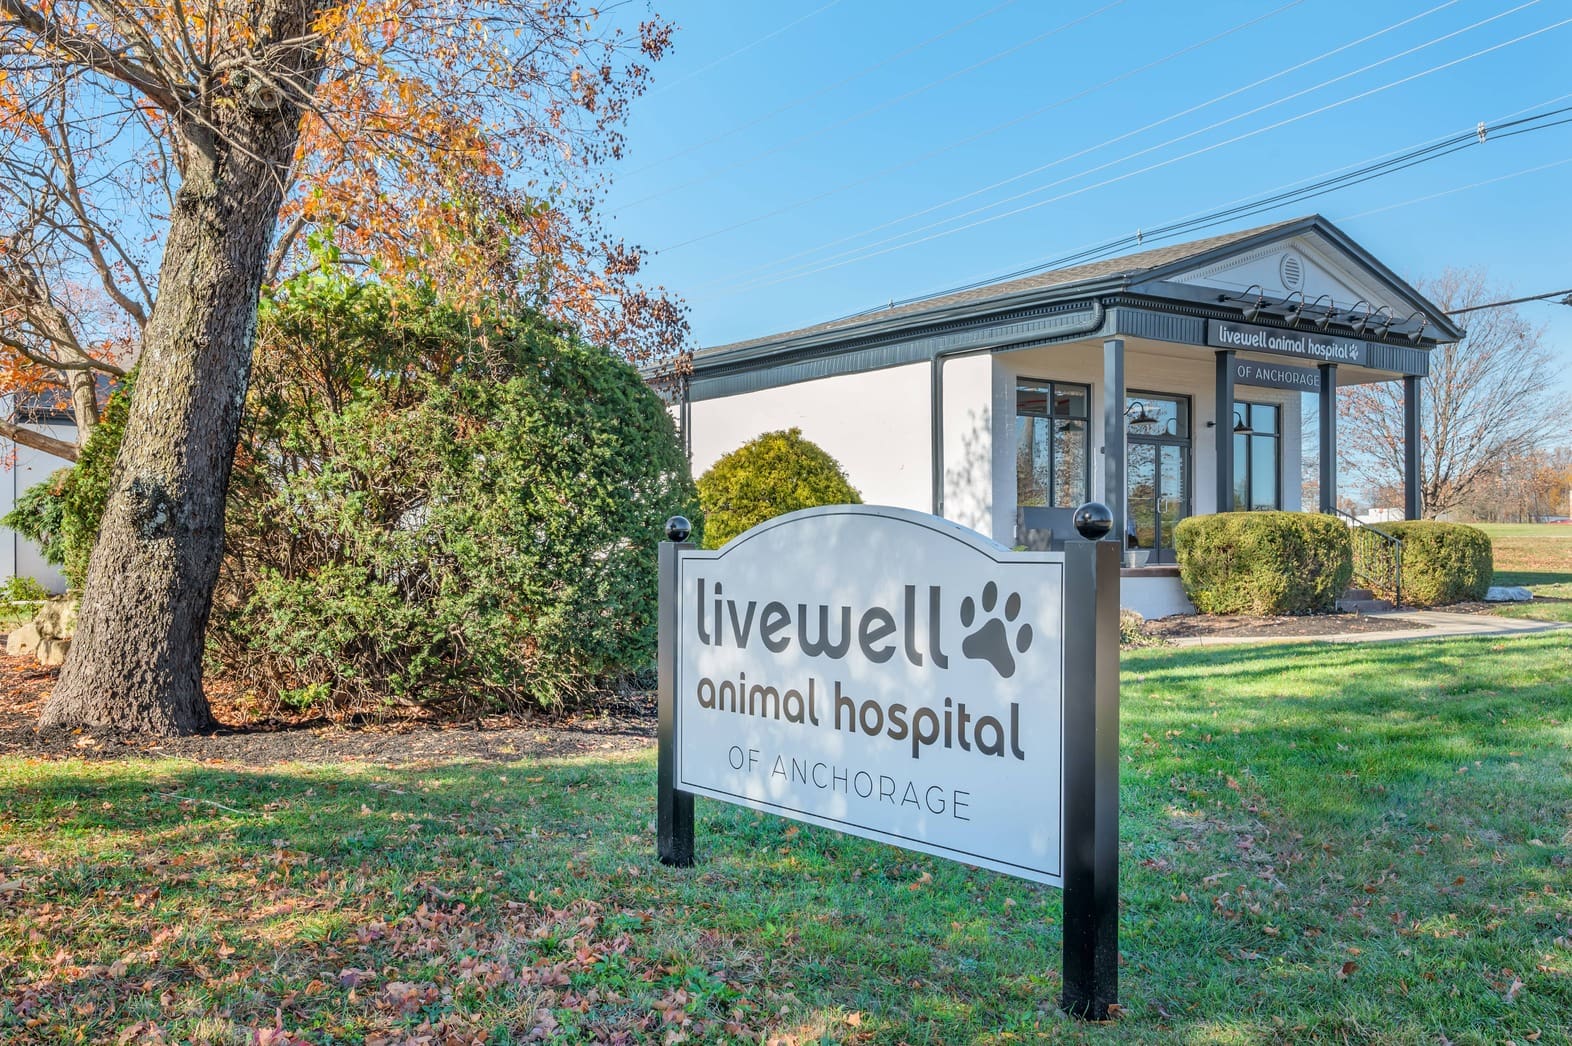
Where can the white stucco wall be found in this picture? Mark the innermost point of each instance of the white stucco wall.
(876, 424)
(971, 434)
(20, 557)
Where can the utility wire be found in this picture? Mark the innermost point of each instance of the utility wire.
(1281, 194)
(810, 136)
(866, 250)
(996, 128)
(1565, 294)
(1456, 189)
(744, 48)
(850, 257)
(837, 85)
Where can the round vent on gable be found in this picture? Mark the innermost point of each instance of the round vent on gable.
(1292, 269)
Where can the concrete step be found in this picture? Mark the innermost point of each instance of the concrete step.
(1362, 606)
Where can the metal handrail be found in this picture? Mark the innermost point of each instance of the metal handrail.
(1396, 544)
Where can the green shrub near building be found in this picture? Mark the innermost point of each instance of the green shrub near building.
(1264, 562)
(1442, 563)
(769, 476)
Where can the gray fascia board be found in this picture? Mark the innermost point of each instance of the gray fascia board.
(984, 312)
(1313, 223)
(1155, 294)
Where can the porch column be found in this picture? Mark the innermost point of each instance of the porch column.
(1225, 431)
(1113, 434)
(1413, 506)
(1328, 437)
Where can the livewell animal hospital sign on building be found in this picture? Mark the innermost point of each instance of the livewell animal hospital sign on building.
(891, 675)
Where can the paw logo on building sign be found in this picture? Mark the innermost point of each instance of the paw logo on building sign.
(990, 641)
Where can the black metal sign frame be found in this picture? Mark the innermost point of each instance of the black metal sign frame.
(1090, 767)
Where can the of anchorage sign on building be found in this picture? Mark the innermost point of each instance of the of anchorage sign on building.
(881, 672)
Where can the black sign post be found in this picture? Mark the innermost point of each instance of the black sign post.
(1091, 772)
(1088, 869)
(673, 807)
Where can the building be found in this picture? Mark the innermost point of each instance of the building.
(1165, 383)
(20, 556)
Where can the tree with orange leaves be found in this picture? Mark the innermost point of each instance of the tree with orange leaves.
(163, 160)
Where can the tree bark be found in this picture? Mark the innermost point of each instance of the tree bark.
(136, 661)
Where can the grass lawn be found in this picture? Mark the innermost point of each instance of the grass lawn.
(1320, 844)
(1537, 556)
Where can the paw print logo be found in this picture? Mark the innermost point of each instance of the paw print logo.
(990, 641)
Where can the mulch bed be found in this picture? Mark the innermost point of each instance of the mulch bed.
(623, 722)
(1244, 626)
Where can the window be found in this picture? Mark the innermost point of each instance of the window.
(1257, 457)
(1052, 466)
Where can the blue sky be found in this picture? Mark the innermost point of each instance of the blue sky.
(799, 161)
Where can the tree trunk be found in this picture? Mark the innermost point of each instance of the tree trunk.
(136, 661)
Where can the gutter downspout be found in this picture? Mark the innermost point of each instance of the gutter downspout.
(936, 398)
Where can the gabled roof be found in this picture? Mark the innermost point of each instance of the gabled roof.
(1108, 276)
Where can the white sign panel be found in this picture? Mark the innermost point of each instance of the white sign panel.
(884, 673)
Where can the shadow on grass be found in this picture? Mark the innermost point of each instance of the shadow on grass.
(1345, 842)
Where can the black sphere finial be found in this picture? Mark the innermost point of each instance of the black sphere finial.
(1093, 520)
(678, 528)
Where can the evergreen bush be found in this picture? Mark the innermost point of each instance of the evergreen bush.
(1442, 563)
(768, 476)
(62, 513)
(434, 508)
(1264, 562)
(428, 508)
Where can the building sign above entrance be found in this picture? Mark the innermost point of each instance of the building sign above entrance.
(1277, 376)
(1323, 348)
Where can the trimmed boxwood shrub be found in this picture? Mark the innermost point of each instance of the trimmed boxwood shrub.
(1264, 562)
(1442, 563)
(769, 476)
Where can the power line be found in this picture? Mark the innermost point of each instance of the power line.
(853, 256)
(744, 48)
(1461, 188)
(866, 250)
(1392, 165)
(1566, 295)
(837, 85)
(996, 128)
(710, 175)
(1281, 194)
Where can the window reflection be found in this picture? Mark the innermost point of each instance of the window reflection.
(1052, 465)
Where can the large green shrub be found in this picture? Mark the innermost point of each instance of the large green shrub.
(768, 476)
(429, 507)
(1442, 563)
(430, 510)
(1263, 562)
(61, 514)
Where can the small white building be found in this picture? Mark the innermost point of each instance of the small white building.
(1165, 384)
(19, 556)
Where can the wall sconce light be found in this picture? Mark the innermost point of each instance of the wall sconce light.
(1142, 416)
(1386, 324)
(1360, 323)
(1248, 309)
(1294, 313)
(1419, 331)
(1325, 319)
(1240, 428)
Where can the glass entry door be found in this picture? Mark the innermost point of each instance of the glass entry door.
(1157, 481)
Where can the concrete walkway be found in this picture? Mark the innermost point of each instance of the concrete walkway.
(1420, 624)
